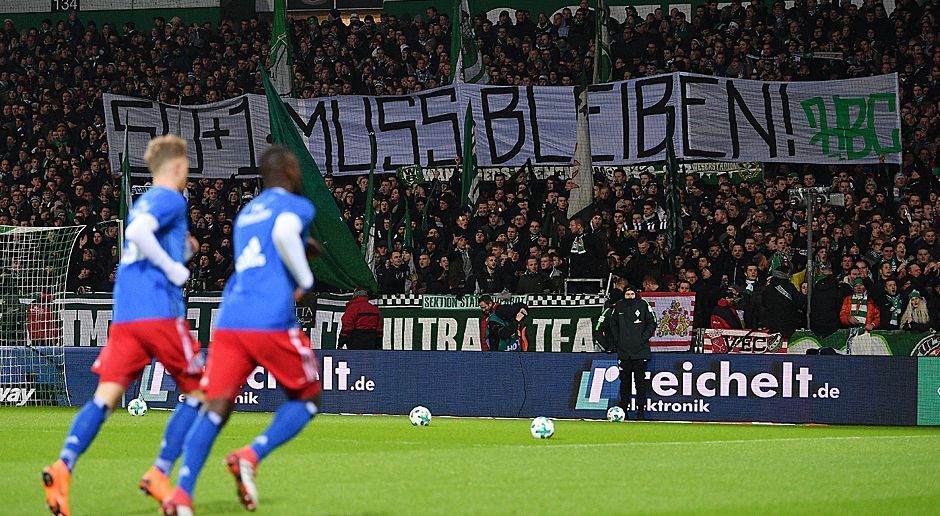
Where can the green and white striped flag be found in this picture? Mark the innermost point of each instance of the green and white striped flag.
(282, 66)
(470, 176)
(465, 57)
(581, 184)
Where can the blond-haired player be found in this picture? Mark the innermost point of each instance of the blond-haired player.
(149, 322)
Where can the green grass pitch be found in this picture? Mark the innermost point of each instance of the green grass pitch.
(383, 465)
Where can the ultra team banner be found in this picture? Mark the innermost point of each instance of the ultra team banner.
(432, 323)
(710, 118)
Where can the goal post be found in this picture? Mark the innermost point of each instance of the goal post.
(34, 265)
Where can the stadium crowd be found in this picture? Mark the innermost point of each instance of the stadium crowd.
(876, 257)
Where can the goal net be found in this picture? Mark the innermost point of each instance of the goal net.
(34, 263)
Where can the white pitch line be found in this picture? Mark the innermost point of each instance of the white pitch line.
(726, 441)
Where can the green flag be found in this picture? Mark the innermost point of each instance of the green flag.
(673, 206)
(282, 66)
(427, 204)
(392, 229)
(368, 221)
(465, 57)
(127, 199)
(342, 265)
(602, 63)
(470, 176)
(408, 242)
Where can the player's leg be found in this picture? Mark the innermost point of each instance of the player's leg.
(88, 421)
(289, 358)
(120, 361)
(172, 344)
(291, 417)
(227, 367)
(626, 391)
(639, 378)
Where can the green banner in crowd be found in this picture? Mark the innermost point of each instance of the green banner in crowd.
(708, 171)
(464, 302)
(897, 343)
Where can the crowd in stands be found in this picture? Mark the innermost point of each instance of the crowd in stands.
(876, 258)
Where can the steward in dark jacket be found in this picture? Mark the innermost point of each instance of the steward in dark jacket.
(828, 294)
(362, 324)
(630, 326)
(601, 331)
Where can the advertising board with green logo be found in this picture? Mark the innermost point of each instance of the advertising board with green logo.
(928, 391)
(893, 343)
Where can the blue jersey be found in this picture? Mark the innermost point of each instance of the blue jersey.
(142, 291)
(260, 293)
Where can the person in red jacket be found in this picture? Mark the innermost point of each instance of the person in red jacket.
(858, 310)
(725, 315)
(362, 323)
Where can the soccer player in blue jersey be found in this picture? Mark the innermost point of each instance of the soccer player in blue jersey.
(149, 322)
(257, 326)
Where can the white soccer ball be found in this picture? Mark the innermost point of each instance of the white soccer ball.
(542, 428)
(616, 414)
(137, 407)
(420, 416)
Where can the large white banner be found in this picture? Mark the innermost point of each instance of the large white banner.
(711, 118)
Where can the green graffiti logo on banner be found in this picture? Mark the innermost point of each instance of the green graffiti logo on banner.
(855, 132)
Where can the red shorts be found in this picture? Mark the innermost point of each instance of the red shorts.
(234, 354)
(131, 345)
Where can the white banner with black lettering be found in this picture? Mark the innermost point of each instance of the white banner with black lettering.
(711, 118)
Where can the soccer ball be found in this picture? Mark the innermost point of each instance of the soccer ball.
(542, 428)
(615, 414)
(137, 407)
(420, 416)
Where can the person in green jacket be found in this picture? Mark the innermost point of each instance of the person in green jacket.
(505, 327)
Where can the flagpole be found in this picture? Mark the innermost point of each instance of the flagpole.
(368, 222)
(602, 63)
(179, 116)
(455, 50)
(127, 199)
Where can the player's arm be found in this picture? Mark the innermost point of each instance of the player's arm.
(314, 248)
(141, 233)
(290, 247)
